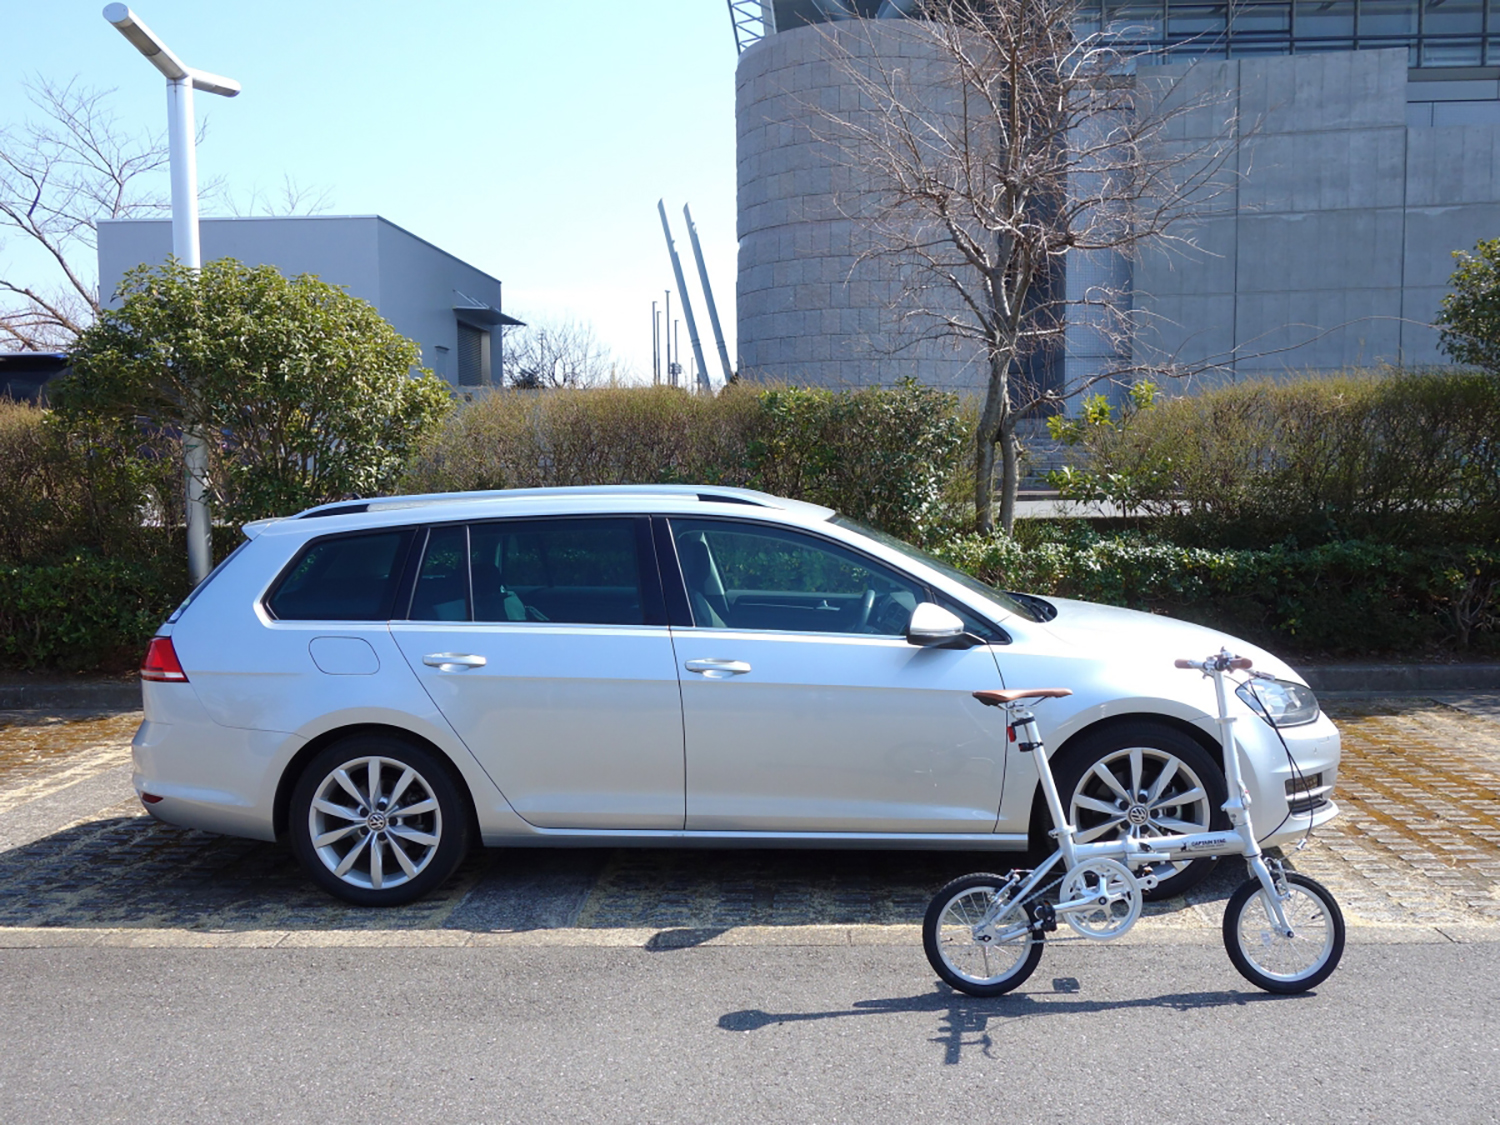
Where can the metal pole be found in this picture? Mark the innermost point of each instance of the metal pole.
(181, 81)
(655, 367)
(666, 325)
(708, 294)
(687, 304)
(185, 247)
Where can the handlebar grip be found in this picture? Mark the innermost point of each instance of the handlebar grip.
(1182, 663)
(1241, 662)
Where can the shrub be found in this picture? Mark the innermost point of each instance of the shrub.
(614, 435)
(1349, 596)
(84, 612)
(62, 489)
(1469, 322)
(307, 393)
(879, 455)
(1396, 456)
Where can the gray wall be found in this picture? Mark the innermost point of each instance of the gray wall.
(1336, 245)
(412, 283)
(1356, 180)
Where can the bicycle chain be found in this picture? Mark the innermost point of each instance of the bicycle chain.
(1043, 919)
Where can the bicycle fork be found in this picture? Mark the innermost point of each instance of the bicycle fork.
(1237, 809)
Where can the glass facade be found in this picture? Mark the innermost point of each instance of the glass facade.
(1433, 32)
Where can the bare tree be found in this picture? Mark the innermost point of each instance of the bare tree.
(1004, 143)
(563, 353)
(59, 175)
(294, 198)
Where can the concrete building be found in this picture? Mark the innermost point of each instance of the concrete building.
(446, 305)
(1376, 154)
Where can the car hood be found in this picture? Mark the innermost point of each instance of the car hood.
(1110, 634)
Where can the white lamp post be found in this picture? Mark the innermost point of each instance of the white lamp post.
(181, 81)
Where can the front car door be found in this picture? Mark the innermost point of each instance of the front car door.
(545, 645)
(804, 707)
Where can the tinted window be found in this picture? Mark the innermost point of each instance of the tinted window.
(576, 572)
(745, 576)
(348, 578)
(968, 581)
(584, 571)
(442, 590)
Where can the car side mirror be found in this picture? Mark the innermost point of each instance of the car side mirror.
(933, 625)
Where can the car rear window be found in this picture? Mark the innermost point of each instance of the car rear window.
(342, 578)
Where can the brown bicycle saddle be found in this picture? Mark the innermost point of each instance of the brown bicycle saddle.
(995, 698)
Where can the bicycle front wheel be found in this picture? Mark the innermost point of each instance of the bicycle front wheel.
(971, 964)
(1270, 960)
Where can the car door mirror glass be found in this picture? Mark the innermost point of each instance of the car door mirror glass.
(933, 625)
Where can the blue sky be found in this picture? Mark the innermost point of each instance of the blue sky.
(531, 139)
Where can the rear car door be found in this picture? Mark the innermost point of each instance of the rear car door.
(804, 707)
(544, 643)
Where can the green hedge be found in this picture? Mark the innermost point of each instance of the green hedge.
(84, 580)
(881, 455)
(1388, 456)
(1347, 598)
(83, 613)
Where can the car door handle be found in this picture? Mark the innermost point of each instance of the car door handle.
(452, 661)
(718, 669)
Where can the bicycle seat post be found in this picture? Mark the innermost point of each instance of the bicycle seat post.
(1028, 739)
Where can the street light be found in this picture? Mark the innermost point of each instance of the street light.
(181, 82)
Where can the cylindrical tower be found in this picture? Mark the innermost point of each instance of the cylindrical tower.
(811, 310)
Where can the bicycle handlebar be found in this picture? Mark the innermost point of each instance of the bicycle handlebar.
(1219, 662)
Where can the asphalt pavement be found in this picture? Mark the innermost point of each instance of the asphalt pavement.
(1130, 1036)
(156, 973)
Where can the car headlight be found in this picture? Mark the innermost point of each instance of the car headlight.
(1280, 702)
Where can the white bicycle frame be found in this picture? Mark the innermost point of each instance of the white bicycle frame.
(1135, 851)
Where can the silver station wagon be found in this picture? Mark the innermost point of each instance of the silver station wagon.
(381, 683)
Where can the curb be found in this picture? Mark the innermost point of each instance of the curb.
(1402, 678)
(649, 940)
(80, 695)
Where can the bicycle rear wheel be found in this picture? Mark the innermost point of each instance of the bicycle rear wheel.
(969, 964)
(1272, 961)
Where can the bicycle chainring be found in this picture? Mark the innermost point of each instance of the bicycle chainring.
(1116, 894)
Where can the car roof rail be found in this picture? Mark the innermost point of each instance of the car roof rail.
(686, 491)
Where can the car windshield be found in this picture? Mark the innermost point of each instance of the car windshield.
(1006, 601)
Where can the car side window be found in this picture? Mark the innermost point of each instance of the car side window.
(748, 576)
(567, 571)
(343, 578)
(571, 571)
(442, 588)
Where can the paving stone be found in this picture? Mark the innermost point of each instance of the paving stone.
(1416, 850)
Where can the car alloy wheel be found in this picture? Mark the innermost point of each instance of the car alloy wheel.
(378, 822)
(1145, 780)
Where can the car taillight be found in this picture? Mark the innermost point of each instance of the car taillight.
(161, 662)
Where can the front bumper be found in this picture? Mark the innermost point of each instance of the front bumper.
(1292, 790)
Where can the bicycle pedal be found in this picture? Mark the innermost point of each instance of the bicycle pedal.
(1043, 917)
